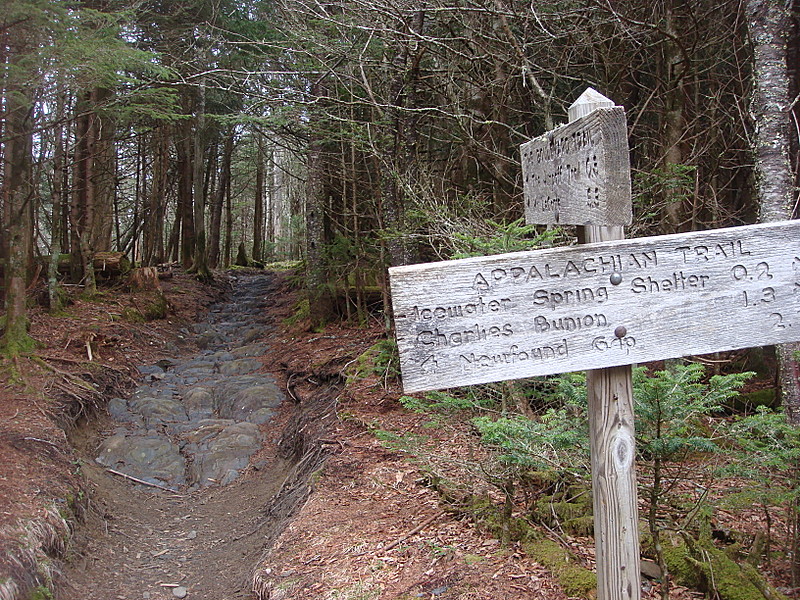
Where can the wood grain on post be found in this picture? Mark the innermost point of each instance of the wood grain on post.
(611, 432)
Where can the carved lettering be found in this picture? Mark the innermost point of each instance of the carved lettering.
(515, 354)
(470, 309)
(437, 338)
(568, 309)
(677, 282)
(554, 299)
(549, 272)
(543, 324)
(705, 253)
(579, 173)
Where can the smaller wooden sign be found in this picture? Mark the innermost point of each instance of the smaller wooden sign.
(579, 174)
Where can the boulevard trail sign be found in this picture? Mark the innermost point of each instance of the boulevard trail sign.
(509, 316)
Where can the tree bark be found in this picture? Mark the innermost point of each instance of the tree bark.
(54, 300)
(153, 228)
(319, 297)
(228, 226)
(184, 212)
(674, 119)
(768, 23)
(219, 200)
(258, 206)
(17, 192)
(94, 181)
(200, 258)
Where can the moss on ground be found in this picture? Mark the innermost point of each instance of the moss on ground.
(706, 568)
(576, 580)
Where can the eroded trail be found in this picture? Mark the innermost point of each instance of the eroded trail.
(202, 431)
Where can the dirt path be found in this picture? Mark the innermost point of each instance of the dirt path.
(148, 544)
(198, 539)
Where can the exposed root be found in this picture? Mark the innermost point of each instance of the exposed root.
(28, 558)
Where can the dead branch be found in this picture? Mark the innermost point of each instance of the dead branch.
(137, 480)
(414, 531)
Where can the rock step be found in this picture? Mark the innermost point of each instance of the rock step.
(195, 421)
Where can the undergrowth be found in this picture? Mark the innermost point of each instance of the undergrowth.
(536, 442)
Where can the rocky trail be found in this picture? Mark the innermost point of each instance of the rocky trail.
(183, 470)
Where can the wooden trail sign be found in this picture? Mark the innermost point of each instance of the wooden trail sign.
(606, 304)
(579, 174)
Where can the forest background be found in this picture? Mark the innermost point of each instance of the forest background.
(359, 135)
(354, 135)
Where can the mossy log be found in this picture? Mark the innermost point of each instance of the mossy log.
(702, 566)
(109, 265)
(576, 580)
(570, 509)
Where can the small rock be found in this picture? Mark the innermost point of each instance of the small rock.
(146, 595)
(179, 592)
(650, 569)
(191, 535)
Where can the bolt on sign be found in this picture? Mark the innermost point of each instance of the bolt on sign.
(540, 312)
(579, 174)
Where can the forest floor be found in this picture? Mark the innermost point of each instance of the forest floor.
(327, 509)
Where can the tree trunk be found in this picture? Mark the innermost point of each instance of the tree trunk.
(673, 120)
(183, 147)
(270, 202)
(319, 296)
(17, 194)
(258, 206)
(200, 259)
(768, 22)
(219, 200)
(94, 181)
(153, 228)
(228, 225)
(54, 300)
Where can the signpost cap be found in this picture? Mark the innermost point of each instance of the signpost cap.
(587, 102)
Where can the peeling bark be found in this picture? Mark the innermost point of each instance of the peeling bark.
(768, 23)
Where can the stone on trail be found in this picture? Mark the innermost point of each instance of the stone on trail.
(202, 411)
(220, 356)
(241, 366)
(207, 429)
(179, 592)
(199, 403)
(118, 409)
(253, 404)
(252, 335)
(159, 411)
(248, 398)
(248, 351)
(228, 451)
(152, 459)
(208, 339)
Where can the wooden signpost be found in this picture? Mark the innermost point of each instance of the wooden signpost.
(601, 306)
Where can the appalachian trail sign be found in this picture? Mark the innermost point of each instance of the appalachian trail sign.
(606, 304)
(600, 306)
